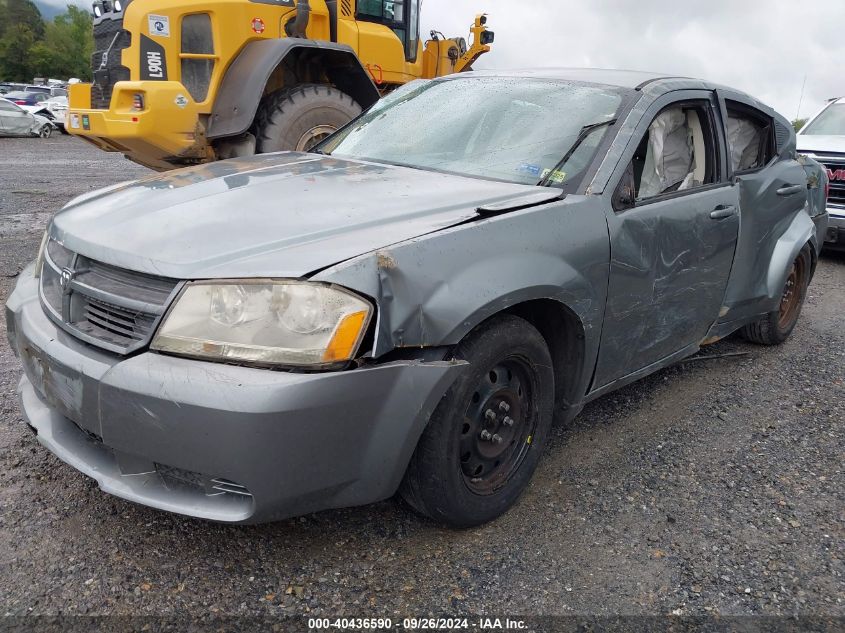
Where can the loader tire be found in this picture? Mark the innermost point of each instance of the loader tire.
(296, 119)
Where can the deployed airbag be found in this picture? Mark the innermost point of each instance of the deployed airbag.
(670, 158)
(744, 141)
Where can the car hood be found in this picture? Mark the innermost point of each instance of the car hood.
(271, 215)
(818, 144)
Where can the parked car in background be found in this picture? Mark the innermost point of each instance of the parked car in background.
(29, 101)
(823, 138)
(6, 87)
(55, 109)
(51, 90)
(408, 307)
(15, 121)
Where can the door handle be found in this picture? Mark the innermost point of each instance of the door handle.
(723, 211)
(790, 190)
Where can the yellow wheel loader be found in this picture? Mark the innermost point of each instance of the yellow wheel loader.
(187, 82)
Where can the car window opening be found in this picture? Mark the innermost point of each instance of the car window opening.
(675, 154)
(749, 135)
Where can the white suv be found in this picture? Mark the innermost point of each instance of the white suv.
(823, 138)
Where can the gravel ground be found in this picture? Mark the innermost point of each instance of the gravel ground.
(714, 486)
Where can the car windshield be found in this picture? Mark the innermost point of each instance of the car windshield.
(23, 96)
(831, 122)
(511, 129)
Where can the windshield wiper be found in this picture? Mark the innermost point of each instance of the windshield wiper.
(582, 136)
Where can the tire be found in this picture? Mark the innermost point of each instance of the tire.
(509, 362)
(776, 326)
(46, 131)
(296, 119)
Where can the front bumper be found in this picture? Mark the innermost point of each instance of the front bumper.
(215, 441)
(146, 137)
(835, 235)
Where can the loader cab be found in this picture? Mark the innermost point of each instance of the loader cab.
(402, 16)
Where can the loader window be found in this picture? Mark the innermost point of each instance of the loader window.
(402, 16)
(197, 57)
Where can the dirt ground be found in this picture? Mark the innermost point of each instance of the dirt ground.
(714, 486)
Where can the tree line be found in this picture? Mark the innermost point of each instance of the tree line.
(32, 47)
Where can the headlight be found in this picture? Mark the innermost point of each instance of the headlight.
(289, 323)
(39, 261)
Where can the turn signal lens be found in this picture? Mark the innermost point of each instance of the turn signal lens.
(138, 102)
(346, 338)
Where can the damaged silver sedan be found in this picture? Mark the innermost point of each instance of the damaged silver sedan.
(408, 308)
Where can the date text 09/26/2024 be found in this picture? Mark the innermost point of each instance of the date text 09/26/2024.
(415, 624)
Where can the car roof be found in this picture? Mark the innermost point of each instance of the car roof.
(649, 83)
(606, 76)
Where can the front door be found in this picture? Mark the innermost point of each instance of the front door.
(673, 234)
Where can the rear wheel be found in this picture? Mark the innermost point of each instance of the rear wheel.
(775, 327)
(296, 119)
(486, 435)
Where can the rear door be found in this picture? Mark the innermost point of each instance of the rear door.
(672, 241)
(772, 190)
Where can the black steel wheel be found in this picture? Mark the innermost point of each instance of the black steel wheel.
(498, 426)
(484, 440)
(776, 326)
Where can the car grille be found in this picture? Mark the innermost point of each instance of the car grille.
(835, 164)
(113, 323)
(110, 307)
(109, 41)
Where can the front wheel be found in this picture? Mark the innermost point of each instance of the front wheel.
(776, 326)
(297, 119)
(484, 439)
(46, 131)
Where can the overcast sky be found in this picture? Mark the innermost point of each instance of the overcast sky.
(764, 47)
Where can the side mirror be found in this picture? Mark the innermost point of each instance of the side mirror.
(624, 197)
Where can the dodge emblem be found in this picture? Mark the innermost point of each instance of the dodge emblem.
(66, 279)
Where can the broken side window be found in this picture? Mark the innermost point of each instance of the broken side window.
(749, 133)
(677, 153)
